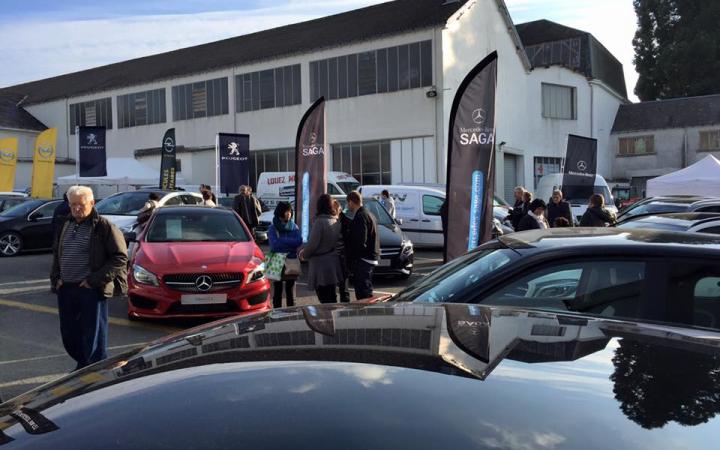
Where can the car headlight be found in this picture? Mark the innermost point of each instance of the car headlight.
(127, 228)
(407, 247)
(258, 273)
(144, 276)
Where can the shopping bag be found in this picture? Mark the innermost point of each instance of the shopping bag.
(292, 268)
(274, 264)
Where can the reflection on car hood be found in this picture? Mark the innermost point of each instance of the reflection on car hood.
(121, 221)
(389, 376)
(165, 257)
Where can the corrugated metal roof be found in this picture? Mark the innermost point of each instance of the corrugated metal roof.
(671, 113)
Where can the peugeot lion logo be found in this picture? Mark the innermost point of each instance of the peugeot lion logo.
(6, 156)
(478, 116)
(45, 152)
(203, 283)
(582, 166)
(169, 145)
(234, 149)
(91, 139)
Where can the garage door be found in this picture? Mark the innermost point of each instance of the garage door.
(510, 165)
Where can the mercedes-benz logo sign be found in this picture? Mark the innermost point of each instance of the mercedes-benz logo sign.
(478, 116)
(203, 283)
(582, 166)
(169, 145)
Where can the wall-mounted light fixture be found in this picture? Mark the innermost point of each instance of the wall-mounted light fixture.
(432, 93)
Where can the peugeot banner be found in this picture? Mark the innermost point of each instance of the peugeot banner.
(470, 165)
(167, 160)
(92, 153)
(33, 421)
(580, 167)
(310, 165)
(233, 156)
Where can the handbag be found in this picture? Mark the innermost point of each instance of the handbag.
(292, 268)
(274, 265)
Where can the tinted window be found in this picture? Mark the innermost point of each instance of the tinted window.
(605, 288)
(21, 209)
(432, 205)
(377, 210)
(47, 210)
(9, 203)
(191, 200)
(173, 201)
(693, 292)
(655, 207)
(196, 226)
(715, 208)
(711, 230)
(332, 190)
(125, 204)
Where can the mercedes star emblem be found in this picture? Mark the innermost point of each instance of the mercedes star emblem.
(203, 283)
(478, 116)
(582, 166)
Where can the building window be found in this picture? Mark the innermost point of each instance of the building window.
(544, 165)
(141, 108)
(558, 102)
(277, 160)
(638, 145)
(202, 99)
(273, 88)
(710, 140)
(376, 71)
(368, 162)
(96, 113)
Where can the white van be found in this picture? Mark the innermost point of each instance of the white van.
(418, 207)
(273, 187)
(548, 183)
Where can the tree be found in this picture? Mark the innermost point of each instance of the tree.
(677, 48)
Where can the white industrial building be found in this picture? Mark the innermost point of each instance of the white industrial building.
(389, 72)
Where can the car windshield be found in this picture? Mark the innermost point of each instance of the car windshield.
(124, 204)
(379, 211)
(654, 207)
(21, 209)
(602, 190)
(453, 281)
(348, 186)
(196, 226)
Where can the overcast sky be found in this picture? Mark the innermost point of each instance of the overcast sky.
(44, 38)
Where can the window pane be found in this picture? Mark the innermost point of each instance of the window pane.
(414, 66)
(392, 69)
(297, 93)
(247, 92)
(271, 161)
(282, 161)
(403, 67)
(314, 81)
(382, 70)
(332, 78)
(337, 158)
(291, 159)
(188, 101)
(210, 95)
(352, 76)
(342, 77)
(385, 157)
(255, 77)
(386, 178)
(224, 96)
(323, 76)
(371, 178)
(199, 99)
(356, 165)
(287, 86)
(371, 158)
(366, 75)
(279, 88)
(426, 63)
(347, 159)
(267, 89)
(432, 205)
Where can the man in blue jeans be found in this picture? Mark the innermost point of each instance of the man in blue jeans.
(89, 262)
(363, 252)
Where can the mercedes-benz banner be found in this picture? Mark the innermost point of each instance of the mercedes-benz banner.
(471, 155)
(580, 168)
(168, 160)
(233, 154)
(310, 165)
(92, 159)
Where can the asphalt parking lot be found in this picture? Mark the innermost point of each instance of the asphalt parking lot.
(31, 352)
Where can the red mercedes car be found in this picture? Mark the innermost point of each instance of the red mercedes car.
(196, 261)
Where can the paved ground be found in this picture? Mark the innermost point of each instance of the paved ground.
(31, 352)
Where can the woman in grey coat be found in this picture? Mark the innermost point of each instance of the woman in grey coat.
(321, 252)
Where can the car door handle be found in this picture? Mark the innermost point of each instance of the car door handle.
(427, 220)
(413, 220)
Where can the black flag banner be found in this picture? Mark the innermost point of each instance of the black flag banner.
(310, 165)
(580, 168)
(234, 160)
(92, 152)
(167, 160)
(33, 421)
(471, 156)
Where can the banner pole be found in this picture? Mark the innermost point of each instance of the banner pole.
(217, 163)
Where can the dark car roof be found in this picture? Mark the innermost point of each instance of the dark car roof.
(687, 219)
(680, 199)
(446, 376)
(597, 239)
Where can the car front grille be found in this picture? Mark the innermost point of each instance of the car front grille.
(188, 282)
(389, 252)
(178, 308)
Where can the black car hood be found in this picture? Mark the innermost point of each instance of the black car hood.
(388, 376)
(390, 236)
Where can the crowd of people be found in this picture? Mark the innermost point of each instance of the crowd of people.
(533, 214)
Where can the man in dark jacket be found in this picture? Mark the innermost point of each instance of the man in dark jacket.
(558, 207)
(596, 215)
(248, 208)
(535, 218)
(519, 208)
(363, 252)
(89, 262)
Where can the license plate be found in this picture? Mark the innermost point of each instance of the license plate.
(385, 262)
(203, 299)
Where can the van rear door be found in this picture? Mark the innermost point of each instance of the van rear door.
(430, 220)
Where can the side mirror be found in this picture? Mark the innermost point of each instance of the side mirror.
(398, 221)
(34, 216)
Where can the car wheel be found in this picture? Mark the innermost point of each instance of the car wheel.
(406, 276)
(10, 244)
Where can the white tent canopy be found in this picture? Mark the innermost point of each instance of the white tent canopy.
(121, 172)
(702, 178)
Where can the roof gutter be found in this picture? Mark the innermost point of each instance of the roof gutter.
(519, 47)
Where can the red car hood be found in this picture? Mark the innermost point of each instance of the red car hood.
(166, 257)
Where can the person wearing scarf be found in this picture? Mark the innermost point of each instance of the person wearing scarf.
(535, 218)
(284, 237)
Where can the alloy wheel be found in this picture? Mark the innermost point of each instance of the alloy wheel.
(10, 244)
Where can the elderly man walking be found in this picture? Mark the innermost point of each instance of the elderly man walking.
(89, 262)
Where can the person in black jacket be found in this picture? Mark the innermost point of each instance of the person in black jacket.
(363, 252)
(596, 215)
(558, 207)
(535, 218)
(343, 245)
(518, 209)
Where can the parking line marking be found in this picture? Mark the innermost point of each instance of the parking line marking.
(38, 281)
(111, 320)
(33, 380)
(23, 290)
(40, 358)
